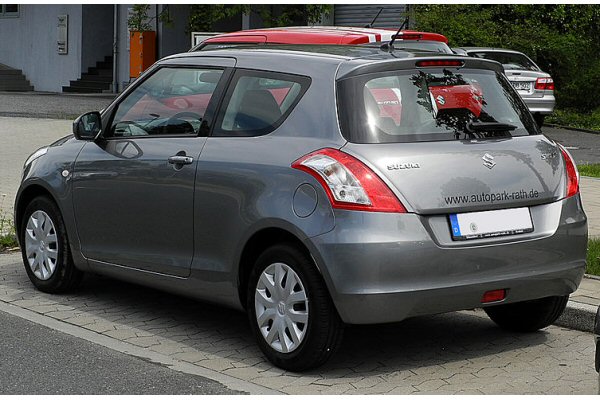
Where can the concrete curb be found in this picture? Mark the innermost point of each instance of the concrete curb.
(37, 115)
(578, 316)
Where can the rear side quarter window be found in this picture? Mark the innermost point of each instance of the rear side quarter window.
(258, 102)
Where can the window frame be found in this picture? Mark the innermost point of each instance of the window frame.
(5, 14)
(303, 80)
(208, 116)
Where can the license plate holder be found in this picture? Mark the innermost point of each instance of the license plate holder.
(485, 224)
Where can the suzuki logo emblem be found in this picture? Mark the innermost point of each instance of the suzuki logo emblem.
(488, 160)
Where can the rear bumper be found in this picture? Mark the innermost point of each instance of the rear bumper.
(388, 267)
(540, 105)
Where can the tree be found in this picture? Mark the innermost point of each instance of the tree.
(203, 16)
(563, 39)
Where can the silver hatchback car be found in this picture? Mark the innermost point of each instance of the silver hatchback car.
(535, 86)
(312, 187)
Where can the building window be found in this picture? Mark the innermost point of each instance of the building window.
(9, 10)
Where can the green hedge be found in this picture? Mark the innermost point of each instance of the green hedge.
(564, 40)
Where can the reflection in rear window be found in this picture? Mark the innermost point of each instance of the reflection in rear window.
(430, 104)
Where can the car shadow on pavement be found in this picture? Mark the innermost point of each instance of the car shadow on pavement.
(450, 341)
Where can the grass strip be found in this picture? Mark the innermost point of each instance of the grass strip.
(592, 170)
(593, 257)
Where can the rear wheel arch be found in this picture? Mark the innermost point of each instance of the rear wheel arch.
(257, 244)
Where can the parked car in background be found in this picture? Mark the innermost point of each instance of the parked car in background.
(313, 186)
(535, 86)
(338, 35)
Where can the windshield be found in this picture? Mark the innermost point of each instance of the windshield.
(431, 104)
(508, 60)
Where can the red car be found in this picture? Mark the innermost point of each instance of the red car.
(328, 35)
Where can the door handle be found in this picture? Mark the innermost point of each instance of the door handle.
(180, 160)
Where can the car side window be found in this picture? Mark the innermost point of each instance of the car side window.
(172, 101)
(257, 102)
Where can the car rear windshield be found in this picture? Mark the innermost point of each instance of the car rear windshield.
(508, 60)
(431, 104)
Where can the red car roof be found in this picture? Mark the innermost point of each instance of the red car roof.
(320, 35)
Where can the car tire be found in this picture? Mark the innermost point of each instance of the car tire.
(285, 269)
(45, 248)
(539, 119)
(528, 316)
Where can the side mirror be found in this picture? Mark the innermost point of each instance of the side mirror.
(87, 126)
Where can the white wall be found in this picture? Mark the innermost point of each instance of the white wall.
(29, 43)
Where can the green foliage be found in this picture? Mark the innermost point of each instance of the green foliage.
(204, 16)
(593, 257)
(8, 238)
(592, 170)
(139, 20)
(575, 119)
(563, 39)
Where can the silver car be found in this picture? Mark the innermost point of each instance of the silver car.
(312, 187)
(535, 86)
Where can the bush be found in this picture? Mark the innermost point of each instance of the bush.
(564, 40)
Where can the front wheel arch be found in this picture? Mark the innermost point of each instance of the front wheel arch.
(26, 197)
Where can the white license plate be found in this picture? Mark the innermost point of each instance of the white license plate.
(522, 85)
(482, 224)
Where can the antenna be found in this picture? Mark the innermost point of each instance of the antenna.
(374, 19)
(389, 47)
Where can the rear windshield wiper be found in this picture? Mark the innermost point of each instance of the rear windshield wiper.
(489, 127)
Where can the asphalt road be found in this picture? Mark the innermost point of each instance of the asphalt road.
(36, 360)
(50, 105)
(583, 146)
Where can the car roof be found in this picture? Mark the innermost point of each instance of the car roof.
(347, 60)
(321, 34)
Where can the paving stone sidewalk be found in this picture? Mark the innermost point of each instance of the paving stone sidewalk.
(444, 354)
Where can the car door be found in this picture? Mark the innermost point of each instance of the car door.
(133, 188)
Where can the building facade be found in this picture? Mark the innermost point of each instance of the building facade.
(81, 47)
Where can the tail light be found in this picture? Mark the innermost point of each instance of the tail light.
(572, 173)
(349, 184)
(544, 84)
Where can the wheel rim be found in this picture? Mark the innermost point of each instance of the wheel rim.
(281, 307)
(41, 245)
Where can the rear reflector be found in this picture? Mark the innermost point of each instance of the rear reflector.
(440, 63)
(572, 173)
(348, 182)
(544, 84)
(494, 295)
